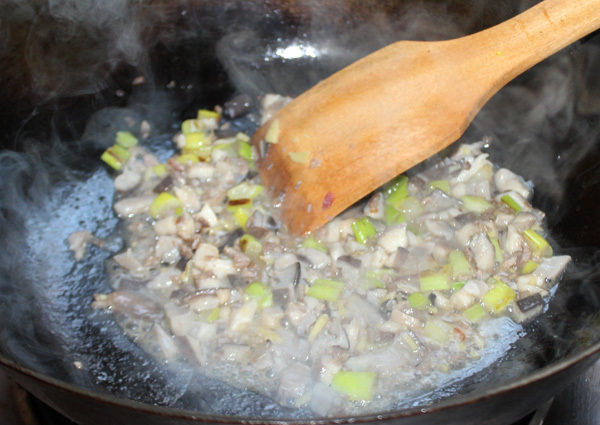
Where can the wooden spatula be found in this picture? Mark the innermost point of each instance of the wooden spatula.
(383, 114)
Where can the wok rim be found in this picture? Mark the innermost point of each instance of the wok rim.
(171, 412)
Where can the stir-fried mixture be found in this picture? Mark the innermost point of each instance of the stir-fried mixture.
(345, 318)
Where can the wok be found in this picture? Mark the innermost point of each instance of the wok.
(68, 82)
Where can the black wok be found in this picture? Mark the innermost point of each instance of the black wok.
(68, 81)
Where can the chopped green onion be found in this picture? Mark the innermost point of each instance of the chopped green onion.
(214, 315)
(537, 243)
(410, 341)
(191, 126)
(498, 297)
(418, 300)
(325, 289)
(187, 158)
(241, 215)
(475, 204)
(396, 191)
(205, 113)
(311, 242)
(529, 267)
(242, 137)
(498, 254)
(373, 278)
(457, 286)
(434, 281)
(437, 331)
(261, 293)
(475, 313)
(363, 230)
(459, 264)
(244, 190)
(195, 140)
(250, 246)
(393, 216)
(126, 139)
(411, 208)
(442, 185)
(245, 151)
(115, 156)
(318, 326)
(164, 203)
(355, 385)
(511, 202)
(272, 135)
(160, 170)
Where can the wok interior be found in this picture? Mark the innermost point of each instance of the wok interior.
(67, 102)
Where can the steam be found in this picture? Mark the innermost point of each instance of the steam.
(542, 125)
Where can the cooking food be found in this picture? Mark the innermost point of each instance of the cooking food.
(385, 301)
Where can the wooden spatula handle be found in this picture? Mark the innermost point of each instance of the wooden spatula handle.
(521, 42)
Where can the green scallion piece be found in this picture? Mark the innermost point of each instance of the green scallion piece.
(355, 385)
(393, 216)
(195, 140)
(245, 190)
(529, 267)
(511, 202)
(126, 139)
(164, 203)
(459, 264)
(245, 151)
(191, 126)
(418, 300)
(475, 313)
(434, 281)
(537, 243)
(325, 289)
(261, 293)
(475, 204)
(498, 297)
(250, 246)
(363, 230)
(311, 242)
(442, 185)
(457, 286)
(437, 331)
(396, 191)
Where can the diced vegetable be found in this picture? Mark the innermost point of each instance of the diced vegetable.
(245, 151)
(355, 385)
(373, 277)
(393, 216)
(529, 267)
(437, 281)
(437, 331)
(511, 202)
(325, 289)
(160, 170)
(311, 242)
(195, 140)
(250, 246)
(410, 341)
(115, 156)
(191, 126)
(475, 204)
(187, 158)
(206, 113)
(459, 264)
(442, 185)
(318, 326)
(456, 286)
(241, 215)
(126, 139)
(262, 294)
(272, 135)
(498, 297)
(164, 203)
(245, 190)
(475, 313)
(538, 243)
(410, 208)
(498, 255)
(242, 137)
(363, 230)
(418, 300)
(396, 191)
